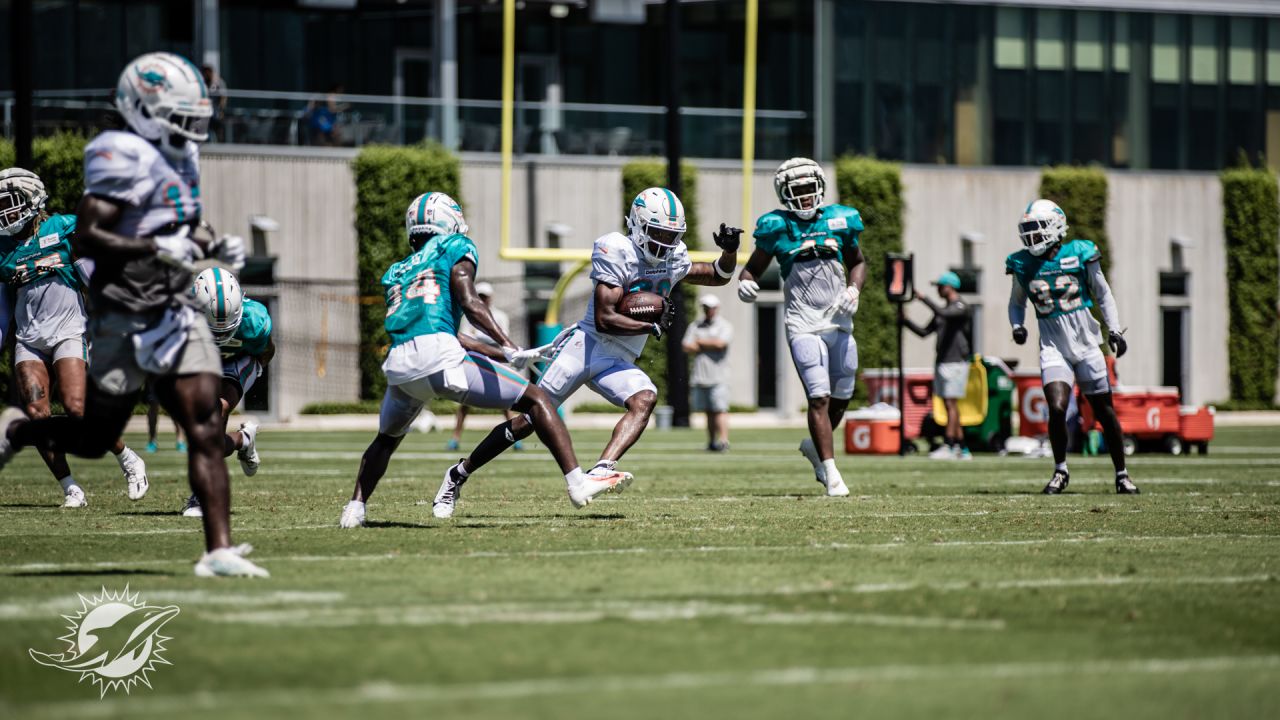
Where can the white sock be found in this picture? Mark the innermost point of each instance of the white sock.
(67, 483)
(829, 467)
(125, 457)
(461, 469)
(574, 476)
(357, 504)
(1060, 466)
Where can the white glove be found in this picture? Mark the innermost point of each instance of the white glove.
(847, 304)
(229, 250)
(748, 290)
(178, 249)
(521, 359)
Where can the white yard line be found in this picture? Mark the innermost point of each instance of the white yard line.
(294, 699)
(43, 608)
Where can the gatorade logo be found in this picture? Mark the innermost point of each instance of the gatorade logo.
(1153, 418)
(1034, 408)
(862, 437)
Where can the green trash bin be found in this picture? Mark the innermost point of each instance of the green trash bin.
(997, 426)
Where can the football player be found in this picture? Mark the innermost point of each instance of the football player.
(601, 350)
(50, 322)
(427, 293)
(241, 329)
(1063, 280)
(136, 221)
(823, 270)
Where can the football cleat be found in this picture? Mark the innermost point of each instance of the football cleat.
(192, 508)
(8, 417)
(1125, 486)
(248, 453)
(135, 474)
(964, 454)
(74, 498)
(835, 485)
(810, 452)
(594, 483)
(943, 452)
(1057, 483)
(352, 515)
(449, 494)
(229, 562)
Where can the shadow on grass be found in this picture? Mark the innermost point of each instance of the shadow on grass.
(102, 572)
(155, 513)
(395, 524)
(30, 505)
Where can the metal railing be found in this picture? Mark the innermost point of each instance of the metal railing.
(549, 128)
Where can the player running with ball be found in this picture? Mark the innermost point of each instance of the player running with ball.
(427, 293)
(601, 350)
(241, 329)
(1063, 279)
(822, 276)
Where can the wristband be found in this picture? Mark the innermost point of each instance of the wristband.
(725, 274)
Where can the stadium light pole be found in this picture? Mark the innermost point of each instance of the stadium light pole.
(677, 364)
(20, 45)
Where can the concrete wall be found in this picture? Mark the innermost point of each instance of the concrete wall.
(312, 195)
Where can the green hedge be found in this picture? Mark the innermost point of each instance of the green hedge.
(1081, 192)
(387, 180)
(1251, 224)
(636, 176)
(874, 187)
(59, 161)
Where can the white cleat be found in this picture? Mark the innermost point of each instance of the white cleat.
(835, 485)
(192, 508)
(74, 498)
(229, 562)
(352, 515)
(248, 454)
(449, 494)
(943, 452)
(810, 452)
(594, 483)
(135, 474)
(8, 417)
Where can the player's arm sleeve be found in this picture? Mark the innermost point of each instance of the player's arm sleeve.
(1017, 304)
(854, 231)
(766, 232)
(1101, 292)
(463, 248)
(607, 264)
(116, 173)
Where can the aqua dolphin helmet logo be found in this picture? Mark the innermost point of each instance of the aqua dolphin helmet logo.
(114, 641)
(151, 78)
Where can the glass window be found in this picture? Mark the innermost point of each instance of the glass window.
(1273, 53)
(1166, 50)
(1204, 50)
(1241, 57)
(1051, 47)
(1088, 44)
(1120, 42)
(1011, 43)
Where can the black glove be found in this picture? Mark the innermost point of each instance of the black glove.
(661, 327)
(1118, 346)
(1020, 335)
(728, 239)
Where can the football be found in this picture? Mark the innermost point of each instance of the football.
(204, 235)
(643, 306)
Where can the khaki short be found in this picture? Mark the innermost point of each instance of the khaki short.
(112, 363)
(710, 398)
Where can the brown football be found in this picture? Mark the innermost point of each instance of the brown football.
(642, 306)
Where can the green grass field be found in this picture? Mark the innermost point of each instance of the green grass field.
(716, 587)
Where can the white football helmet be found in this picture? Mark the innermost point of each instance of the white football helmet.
(1043, 225)
(434, 213)
(801, 186)
(656, 223)
(22, 197)
(218, 294)
(163, 98)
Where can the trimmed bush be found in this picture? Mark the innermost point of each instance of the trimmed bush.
(387, 180)
(1251, 224)
(874, 187)
(636, 176)
(59, 161)
(1081, 192)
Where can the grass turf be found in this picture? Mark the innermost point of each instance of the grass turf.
(717, 586)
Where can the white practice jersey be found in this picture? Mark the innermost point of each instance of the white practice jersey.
(155, 196)
(615, 261)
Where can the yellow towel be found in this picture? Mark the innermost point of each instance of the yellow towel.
(973, 406)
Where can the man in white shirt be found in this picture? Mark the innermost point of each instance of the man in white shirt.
(708, 342)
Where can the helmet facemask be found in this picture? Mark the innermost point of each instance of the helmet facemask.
(803, 196)
(15, 211)
(656, 242)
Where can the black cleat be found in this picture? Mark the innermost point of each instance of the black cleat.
(1057, 483)
(1125, 486)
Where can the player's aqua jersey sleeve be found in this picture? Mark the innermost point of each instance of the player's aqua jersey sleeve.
(769, 228)
(609, 260)
(457, 248)
(254, 332)
(114, 169)
(845, 223)
(47, 251)
(1086, 250)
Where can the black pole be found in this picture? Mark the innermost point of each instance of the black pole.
(20, 45)
(902, 389)
(677, 363)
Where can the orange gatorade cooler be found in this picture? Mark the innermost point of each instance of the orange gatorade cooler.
(1033, 412)
(871, 431)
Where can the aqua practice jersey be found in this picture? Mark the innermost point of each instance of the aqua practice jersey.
(254, 334)
(417, 289)
(1057, 285)
(47, 253)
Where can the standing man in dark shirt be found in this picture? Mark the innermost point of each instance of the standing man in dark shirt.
(952, 323)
